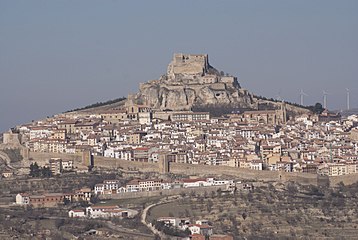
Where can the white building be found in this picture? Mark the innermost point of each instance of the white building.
(181, 223)
(109, 211)
(107, 187)
(76, 213)
(22, 199)
(205, 230)
(198, 182)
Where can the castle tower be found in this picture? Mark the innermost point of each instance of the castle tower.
(87, 158)
(283, 112)
(164, 164)
(188, 64)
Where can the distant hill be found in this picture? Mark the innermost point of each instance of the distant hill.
(101, 106)
(346, 113)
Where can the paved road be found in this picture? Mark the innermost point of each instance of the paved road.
(145, 212)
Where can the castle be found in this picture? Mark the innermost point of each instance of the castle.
(189, 64)
(191, 81)
(195, 69)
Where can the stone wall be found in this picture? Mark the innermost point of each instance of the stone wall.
(11, 138)
(248, 174)
(42, 158)
(126, 165)
(189, 169)
(188, 64)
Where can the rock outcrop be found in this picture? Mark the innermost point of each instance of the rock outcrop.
(191, 81)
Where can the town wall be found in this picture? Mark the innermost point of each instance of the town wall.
(124, 164)
(42, 158)
(248, 174)
(190, 169)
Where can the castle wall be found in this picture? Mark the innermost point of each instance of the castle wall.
(228, 80)
(218, 86)
(188, 64)
(190, 169)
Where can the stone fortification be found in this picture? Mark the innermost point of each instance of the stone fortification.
(188, 64)
(12, 140)
(190, 81)
(198, 170)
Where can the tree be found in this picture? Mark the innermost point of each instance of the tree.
(46, 172)
(209, 206)
(34, 170)
(94, 199)
(219, 191)
(192, 193)
(66, 201)
(244, 215)
(292, 189)
(183, 194)
(317, 108)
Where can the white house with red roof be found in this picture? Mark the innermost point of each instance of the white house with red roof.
(22, 199)
(205, 230)
(138, 185)
(107, 187)
(197, 182)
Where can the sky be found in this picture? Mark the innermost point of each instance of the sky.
(61, 54)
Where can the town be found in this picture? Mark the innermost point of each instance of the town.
(253, 139)
(149, 167)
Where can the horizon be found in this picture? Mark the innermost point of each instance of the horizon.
(57, 56)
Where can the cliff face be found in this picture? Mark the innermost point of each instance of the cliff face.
(191, 81)
(183, 97)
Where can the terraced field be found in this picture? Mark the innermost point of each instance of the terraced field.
(273, 212)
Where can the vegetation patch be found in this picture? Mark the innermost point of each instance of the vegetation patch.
(98, 104)
(288, 211)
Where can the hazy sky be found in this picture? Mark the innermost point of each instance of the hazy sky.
(59, 55)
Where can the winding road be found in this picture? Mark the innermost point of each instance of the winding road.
(145, 212)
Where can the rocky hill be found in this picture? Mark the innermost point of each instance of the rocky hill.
(192, 83)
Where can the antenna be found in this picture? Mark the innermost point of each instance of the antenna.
(347, 98)
(325, 93)
(302, 94)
